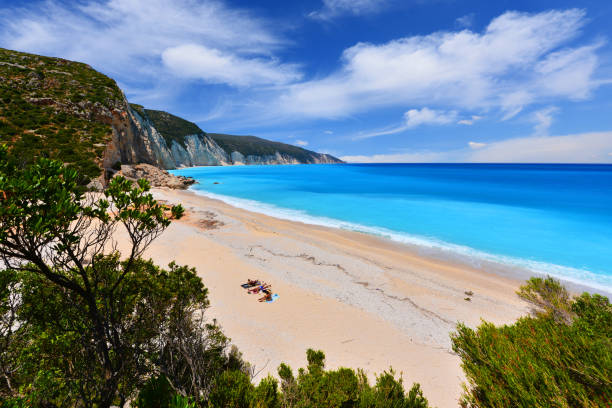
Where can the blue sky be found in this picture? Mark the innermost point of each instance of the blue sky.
(366, 80)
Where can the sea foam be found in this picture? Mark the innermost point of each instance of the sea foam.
(430, 247)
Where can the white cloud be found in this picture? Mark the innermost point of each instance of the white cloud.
(476, 145)
(465, 21)
(214, 66)
(333, 8)
(458, 70)
(301, 143)
(412, 119)
(416, 117)
(577, 148)
(543, 119)
(328, 132)
(469, 122)
(127, 38)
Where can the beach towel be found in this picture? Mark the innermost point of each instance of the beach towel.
(274, 297)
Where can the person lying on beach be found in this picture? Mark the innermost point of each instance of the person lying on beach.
(266, 298)
(250, 283)
(263, 288)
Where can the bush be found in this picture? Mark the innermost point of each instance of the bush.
(156, 393)
(559, 357)
(232, 389)
(317, 387)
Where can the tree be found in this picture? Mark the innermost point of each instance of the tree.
(9, 336)
(53, 232)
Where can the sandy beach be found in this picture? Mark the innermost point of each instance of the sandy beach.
(367, 302)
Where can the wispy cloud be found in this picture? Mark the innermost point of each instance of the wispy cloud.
(214, 66)
(471, 121)
(334, 8)
(149, 40)
(476, 145)
(301, 143)
(458, 70)
(412, 119)
(465, 21)
(543, 119)
(577, 148)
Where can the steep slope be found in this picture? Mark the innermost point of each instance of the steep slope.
(174, 142)
(191, 146)
(68, 111)
(255, 150)
(56, 108)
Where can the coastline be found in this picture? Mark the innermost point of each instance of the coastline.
(366, 301)
(577, 281)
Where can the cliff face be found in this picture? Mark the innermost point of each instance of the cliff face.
(169, 142)
(278, 158)
(136, 140)
(67, 111)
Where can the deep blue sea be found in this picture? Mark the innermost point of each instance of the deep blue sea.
(550, 219)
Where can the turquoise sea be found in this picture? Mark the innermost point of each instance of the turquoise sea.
(545, 218)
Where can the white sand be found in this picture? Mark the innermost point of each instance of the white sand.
(367, 302)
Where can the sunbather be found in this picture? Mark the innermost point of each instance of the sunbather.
(263, 287)
(250, 283)
(266, 298)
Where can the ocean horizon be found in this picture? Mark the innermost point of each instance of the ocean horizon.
(545, 219)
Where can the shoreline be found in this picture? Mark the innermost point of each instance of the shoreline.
(367, 302)
(501, 265)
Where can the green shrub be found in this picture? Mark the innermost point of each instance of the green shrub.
(343, 388)
(63, 131)
(561, 357)
(233, 389)
(266, 394)
(117, 166)
(156, 393)
(180, 401)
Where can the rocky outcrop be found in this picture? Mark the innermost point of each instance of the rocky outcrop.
(198, 150)
(156, 176)
(136, 140)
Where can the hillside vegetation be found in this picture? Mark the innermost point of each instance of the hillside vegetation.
(171, 127)
(252, 145)
(56, 108)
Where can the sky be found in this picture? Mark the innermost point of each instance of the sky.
(364, 80)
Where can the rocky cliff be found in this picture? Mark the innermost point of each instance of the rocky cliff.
(68, 111)
(177, 142)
